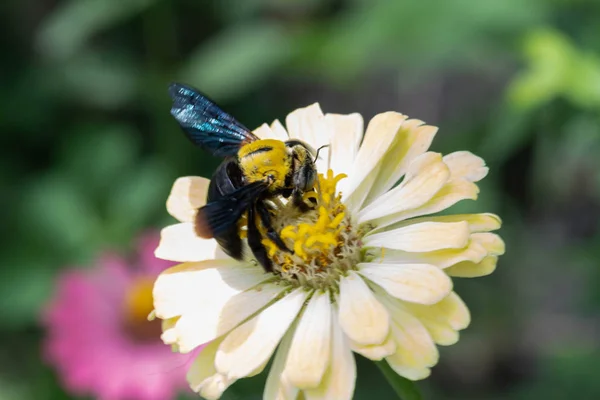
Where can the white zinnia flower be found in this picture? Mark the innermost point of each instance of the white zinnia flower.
(370, 271)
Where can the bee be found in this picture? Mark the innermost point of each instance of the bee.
(253, 171)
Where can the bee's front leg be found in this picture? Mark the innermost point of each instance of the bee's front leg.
(265, 218)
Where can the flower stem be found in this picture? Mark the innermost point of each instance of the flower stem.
(405, 389)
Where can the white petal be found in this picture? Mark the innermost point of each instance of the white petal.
(379, 135)
(375, 352)
(362, 318)
(484, 222)
(426, 175)
(426, 236)
(266, 132)
(308, 124)
(467, 269)
(413, 139)
(464, 164)
(415, 350)
(450, 194)
(251, 344)
(204, 378)
(310, 350)
(480, 245)
(187, 195)
(279, 131)
(217, 317)
(346, 133)
(340, 378)
(444, 319)
(277, 386)
(417, 283)
(180, 243)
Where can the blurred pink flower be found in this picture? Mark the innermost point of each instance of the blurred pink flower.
(98, 336)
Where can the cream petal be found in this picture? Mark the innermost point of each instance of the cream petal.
(480, 245)
(380, 134)
(467, 269)
(266, 132)
(180, 243)
(251, 344)
(416, 283)
(277, 386)
(187, 195)
(346, 133)
(444, 319)
(484, 222)
(310, 351)
(450, 194)
(464, 164)
(412, 140)
(308, 124)
(426, 236)
(202, 376)
(375, 352)
(340, 378)
(362, 318)
(215, 318)
(426, 175)
(279, 131)
(415, 350)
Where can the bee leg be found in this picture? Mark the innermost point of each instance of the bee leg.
(265, 218)
(255, 242)
(299, 202)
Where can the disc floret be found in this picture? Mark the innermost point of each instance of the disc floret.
(324, 240)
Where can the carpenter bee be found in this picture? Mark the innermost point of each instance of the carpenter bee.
(253, 171)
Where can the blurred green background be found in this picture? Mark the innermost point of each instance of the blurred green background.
(89, 151)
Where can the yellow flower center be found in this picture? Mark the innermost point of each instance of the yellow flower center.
(324, 241)
(137, 305)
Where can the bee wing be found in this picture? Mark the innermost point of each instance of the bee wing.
(217, 217)
(205, 124)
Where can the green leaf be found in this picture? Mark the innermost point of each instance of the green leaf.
(238, 60)
(405, 389)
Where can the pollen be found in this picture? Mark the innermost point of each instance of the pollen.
(323, 239)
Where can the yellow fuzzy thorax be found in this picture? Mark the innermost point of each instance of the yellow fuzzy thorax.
(265, 159)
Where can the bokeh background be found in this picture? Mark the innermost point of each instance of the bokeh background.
(88, 152)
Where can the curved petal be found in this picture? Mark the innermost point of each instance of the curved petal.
(484, 222)
(426, 175)
(277, 386)
(251, 344)
(464, 164)
(444, 319)
(415, 350)
(375, 352)
(480, 245)
(362, 318)
(450, 194)
(380, 134)
(422, 237)
(468, 269)
(416, 283)
(308, 124)
(412, 140)
(204, 378)
(346, 133)
(340, 378)
(187, 195)
(180, 243)
(310, 350)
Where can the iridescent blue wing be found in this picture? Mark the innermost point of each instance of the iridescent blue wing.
(205, 124)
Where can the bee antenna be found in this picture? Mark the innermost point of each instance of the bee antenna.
(318, 150)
